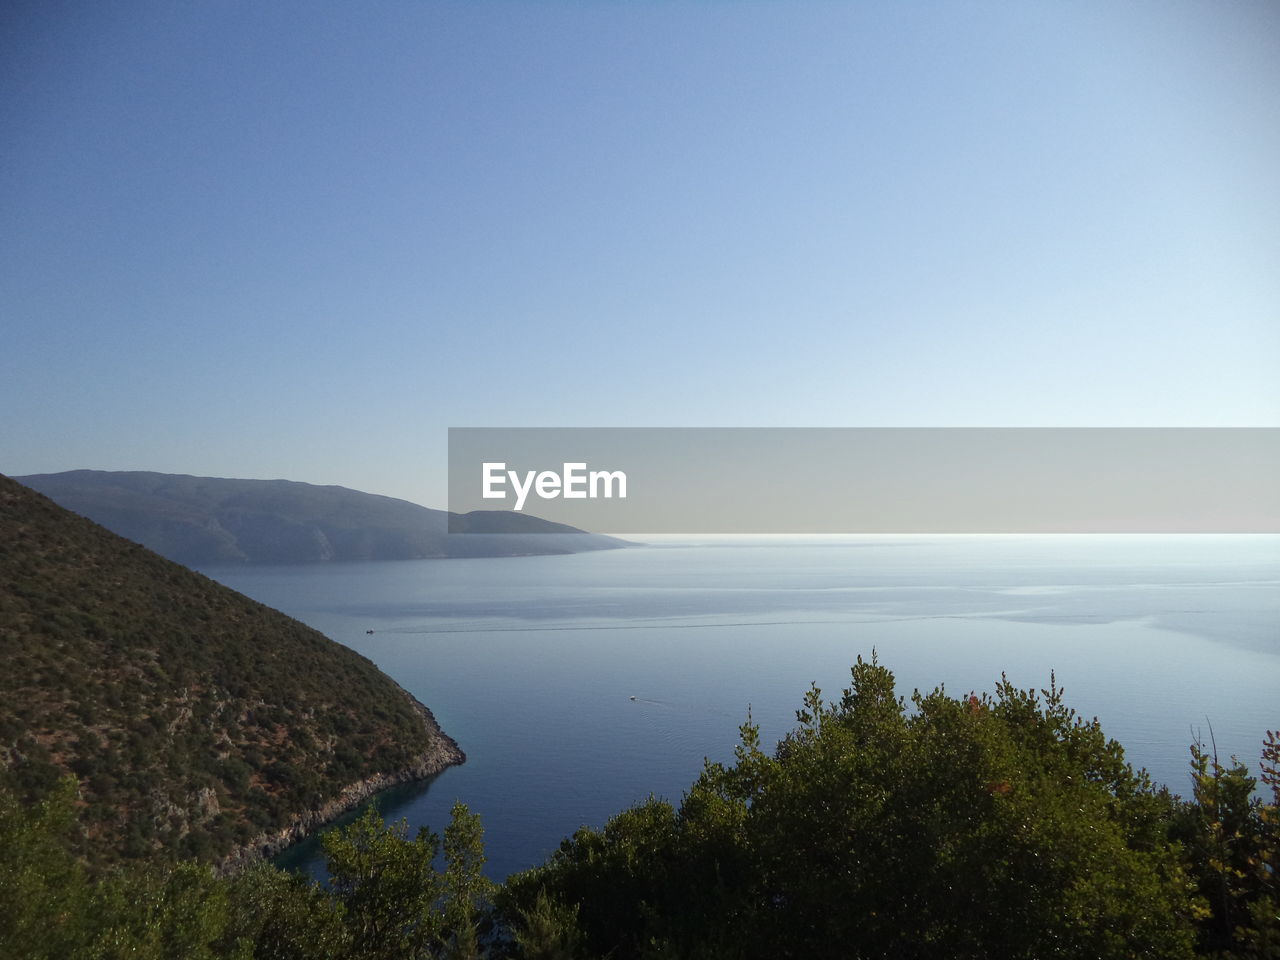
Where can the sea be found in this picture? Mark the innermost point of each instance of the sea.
(580, 685)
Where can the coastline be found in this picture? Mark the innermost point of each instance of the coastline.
(442, 753)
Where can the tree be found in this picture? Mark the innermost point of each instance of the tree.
(43, 891)
(387, 886)
(971, 827)
(284, 916)
(394, 903)
(466, 889)
(1232, 840)
(547, 930)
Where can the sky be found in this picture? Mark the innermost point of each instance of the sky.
(303, 240)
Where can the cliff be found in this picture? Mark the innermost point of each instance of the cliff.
(442, 753)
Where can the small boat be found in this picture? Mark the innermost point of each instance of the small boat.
(368, 631)
(633, 698)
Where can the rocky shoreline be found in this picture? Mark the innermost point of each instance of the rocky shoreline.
(443, 753)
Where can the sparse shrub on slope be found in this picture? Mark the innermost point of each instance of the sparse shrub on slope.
(192, 717)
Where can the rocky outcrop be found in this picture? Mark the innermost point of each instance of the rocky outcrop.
(442, 753)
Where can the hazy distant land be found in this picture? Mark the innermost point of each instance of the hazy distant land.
(210, 521)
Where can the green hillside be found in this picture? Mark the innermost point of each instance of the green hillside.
(205, 521)
(195, 719)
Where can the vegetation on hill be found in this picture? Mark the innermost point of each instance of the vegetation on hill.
(387, 900)
(205, 521)
(193, 719)
(1000, 826)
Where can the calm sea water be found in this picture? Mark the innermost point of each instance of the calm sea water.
(531, 663)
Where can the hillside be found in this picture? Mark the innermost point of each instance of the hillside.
(207, 521)
(196, 720)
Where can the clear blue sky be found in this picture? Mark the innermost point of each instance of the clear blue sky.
(302, 240)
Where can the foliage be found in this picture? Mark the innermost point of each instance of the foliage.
(547, 930)
(1232, 837)
(386, 898)
(43, 890)
(388, 886)
(995, 826)
(49, 908)
(284, 916)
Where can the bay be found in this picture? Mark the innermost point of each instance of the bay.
(578, 685)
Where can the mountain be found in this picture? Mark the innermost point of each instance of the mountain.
(208, 521)
(196, 721)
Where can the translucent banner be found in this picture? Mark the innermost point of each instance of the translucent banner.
(867, 480)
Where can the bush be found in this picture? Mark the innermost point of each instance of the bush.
(970, 827)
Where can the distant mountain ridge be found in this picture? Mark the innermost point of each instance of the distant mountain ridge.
(210, 521)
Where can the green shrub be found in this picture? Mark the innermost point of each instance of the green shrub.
(973, 827)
